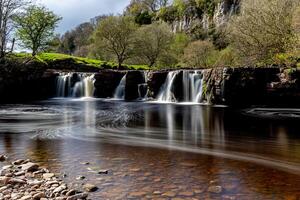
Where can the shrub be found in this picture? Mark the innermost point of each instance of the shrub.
(200, 54)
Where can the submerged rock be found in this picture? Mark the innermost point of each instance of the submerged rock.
(90, 187)
(2, 158)
(215, 189)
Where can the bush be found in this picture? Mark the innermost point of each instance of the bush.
(200, 54)
(227, 58)
(264, 28)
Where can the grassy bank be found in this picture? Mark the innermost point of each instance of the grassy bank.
(54, 57)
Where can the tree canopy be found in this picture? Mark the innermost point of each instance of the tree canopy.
(35, 27)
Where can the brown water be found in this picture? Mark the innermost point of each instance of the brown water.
(159, 151)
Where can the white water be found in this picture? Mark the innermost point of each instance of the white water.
(192, 82)
(120, 90)
(192, 86)
(143, 88)
(166, 93)
(83, 86)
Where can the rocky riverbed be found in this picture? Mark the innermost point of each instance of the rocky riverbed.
(26, 180)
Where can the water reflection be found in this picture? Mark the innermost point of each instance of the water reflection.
(211, 142)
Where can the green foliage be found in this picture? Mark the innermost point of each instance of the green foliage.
(52, 57)
(114, 38)
(180, 7)
(206, 6)
(264, 28)
(143, 18)
(227, 58)
(153, 41)
(286, 59)
(200, 54)
(35, 27)
(167, 14)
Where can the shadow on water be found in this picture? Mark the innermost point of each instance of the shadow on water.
(185, 145)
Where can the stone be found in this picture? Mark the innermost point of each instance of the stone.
(18, 162)
(2, 158)
(30, 167)
(71, 193)
(103, 171)
(137, 194)
(186, 194)
(14, 181)
(60, 189)
(90, 187)
(215, 189)
(78, 196)
(38, 196)
(80, 178)
(6, 167)
(4, 180)
(27, 197)
(169, 194)
(48, 175)
(21, 173)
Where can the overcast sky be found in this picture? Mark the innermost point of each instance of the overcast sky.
(75, 12)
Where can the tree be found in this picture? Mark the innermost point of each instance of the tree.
(263, 29)
(199, 54)
(35, 27)
(115, 36)
(8, 9)
(153, 41)
(139, 6)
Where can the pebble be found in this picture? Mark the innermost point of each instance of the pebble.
(2, 158)
(48, 175)
(25, 180)
(169, 194)
(90, 187)
(30, 167)
(215, 189)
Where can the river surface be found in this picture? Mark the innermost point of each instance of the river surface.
(159, 151)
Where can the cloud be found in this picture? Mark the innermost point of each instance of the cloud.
(75, 12)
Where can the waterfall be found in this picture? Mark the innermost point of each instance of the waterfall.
(143, 88)
(120, 90)
(75, 85)
(192, 86)
(166, 93)
(85, 86)
(62, 84)
(192, 82)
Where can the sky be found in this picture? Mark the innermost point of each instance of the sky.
(75, 12)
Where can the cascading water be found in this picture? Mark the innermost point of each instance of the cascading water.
(120, 90)
(166, 94)
(192, 86)
(63, 84)
(84, 87)
(143, 88)
(75, 85)
(192, 82)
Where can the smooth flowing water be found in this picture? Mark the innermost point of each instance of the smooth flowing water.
(120, 90)
(160, 150)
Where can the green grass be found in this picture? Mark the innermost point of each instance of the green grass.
(52, 57)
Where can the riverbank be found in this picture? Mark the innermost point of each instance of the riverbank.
(25, 180)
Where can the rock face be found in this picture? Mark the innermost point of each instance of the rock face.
(249, 86)
(133, 80)
(25, 81)
(106, 82)
(154, 81)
